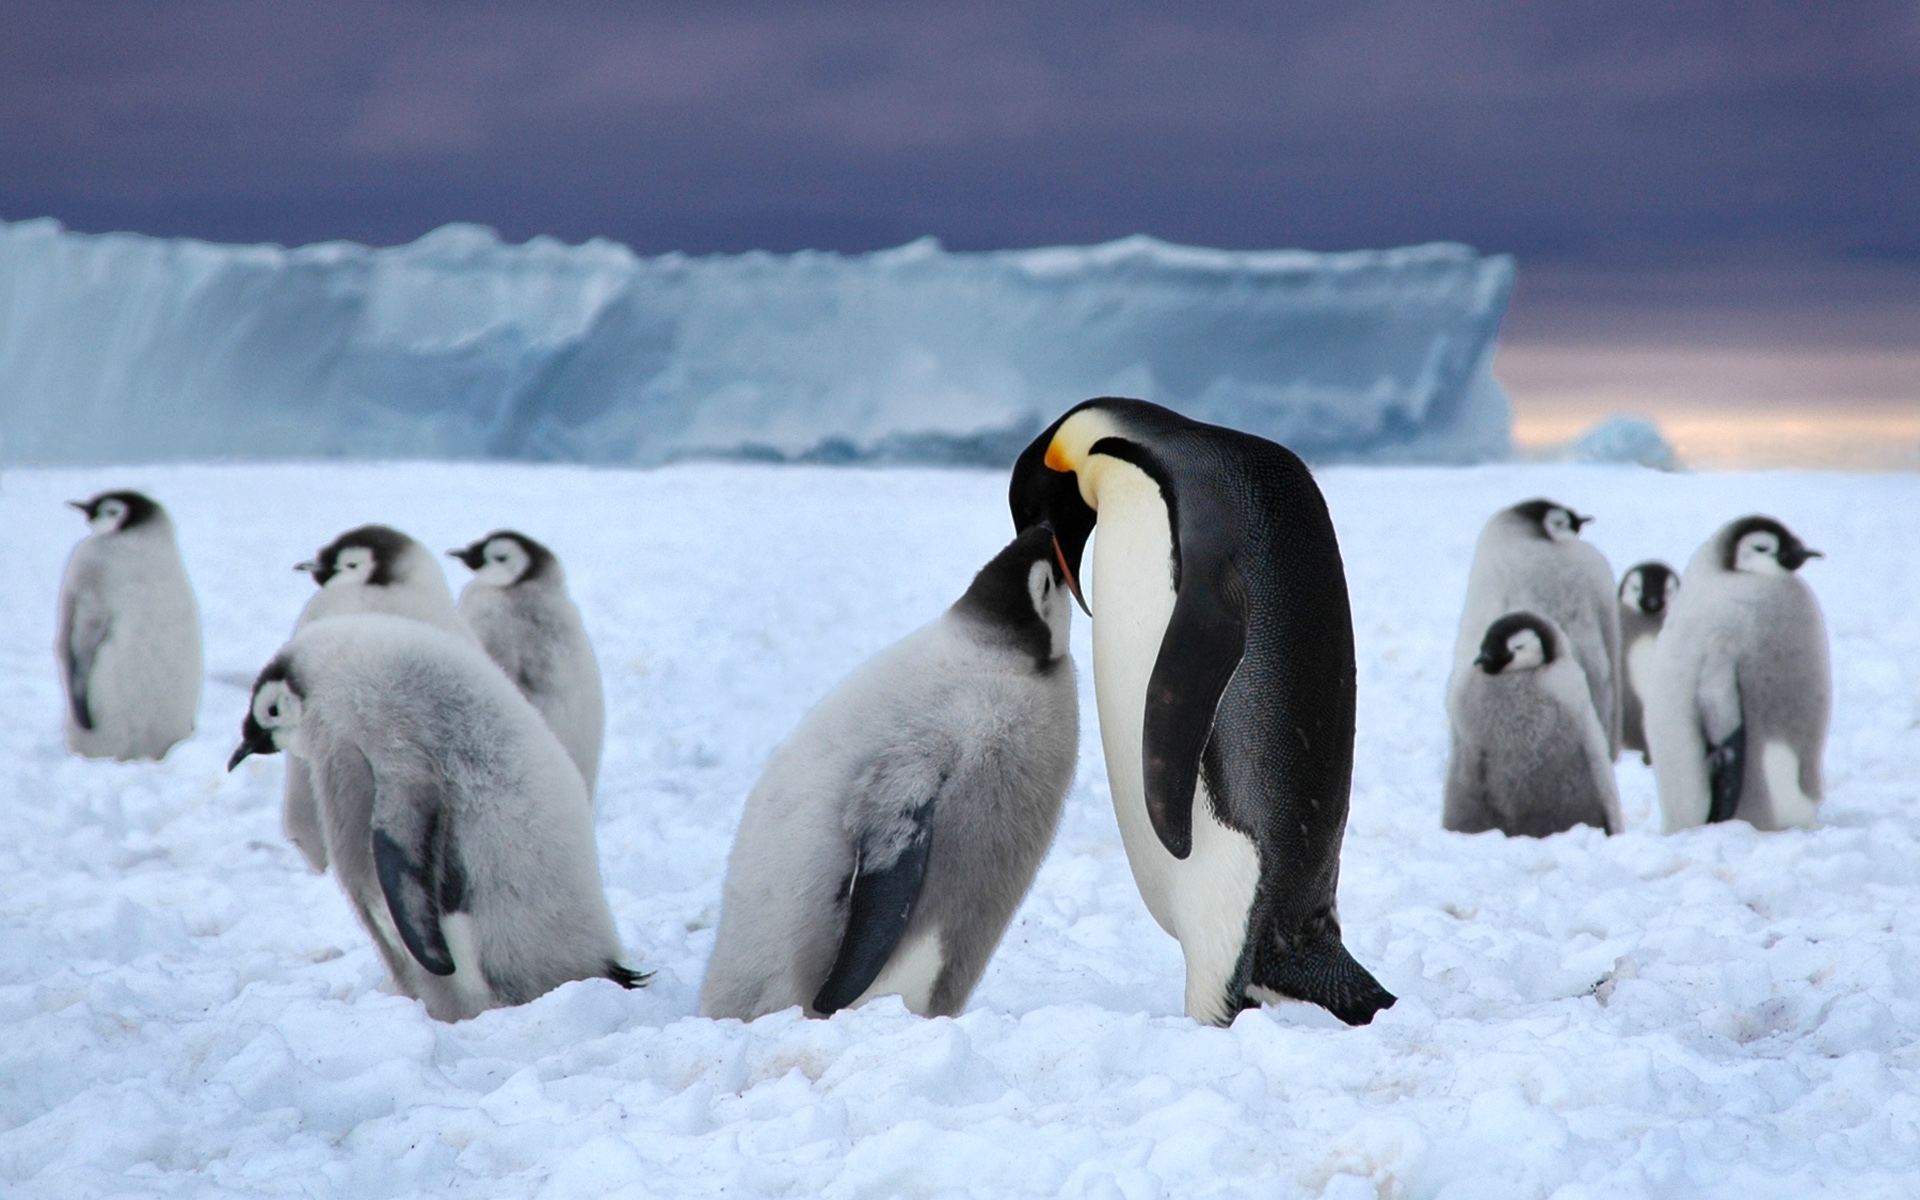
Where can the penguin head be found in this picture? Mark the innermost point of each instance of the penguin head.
(1555, 522)
(1021, 597)
(112, 512)
(367, 556)
(1518, 641)
(504, 558)
(1648, 586)
(1052, 485)
(1763, 546)
(273, 722)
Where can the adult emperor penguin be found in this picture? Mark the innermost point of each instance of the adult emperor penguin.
(1530, 559)
(891, 838)
(1645, 591)
(1741, 693)
(517, 604)
(373, 568)
(1529, 757)
(457, 825)
(129, 639)
(1223, 667)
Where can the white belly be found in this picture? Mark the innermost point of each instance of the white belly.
(1640, 664)
(1203, 899)
(911, 973)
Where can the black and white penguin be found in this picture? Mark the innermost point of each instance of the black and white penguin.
(517, 605)
(1528, 757)
(892, 836)
(128, 645)
(456, 824)
(1224, 672)
(1645, 592)
(1741, 694)
(1530, 559)
(371, 569)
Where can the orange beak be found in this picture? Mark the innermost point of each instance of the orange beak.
(1073, 585)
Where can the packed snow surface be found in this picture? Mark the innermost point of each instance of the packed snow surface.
(186, 1011)
(125, 348)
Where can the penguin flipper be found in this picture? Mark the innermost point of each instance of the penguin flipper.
(1726, 771)
(879, 904)
(83, 627)
(418, 876)
(1322, 972)
(1205, 639)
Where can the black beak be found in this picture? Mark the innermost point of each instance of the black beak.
(253, 740)
(1039, 495)
(79, 504)
(474, 556)
(1577, 520)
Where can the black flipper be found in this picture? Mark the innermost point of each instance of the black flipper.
(1726, 771)
(418, 872)
(879, 904)
(83, 627)
(1205, 640)
(1320, 971)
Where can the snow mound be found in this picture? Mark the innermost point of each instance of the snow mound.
(1625, 439)
(119, 347)
(186, 1011)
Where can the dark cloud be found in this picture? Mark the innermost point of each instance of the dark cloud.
(1579, 133)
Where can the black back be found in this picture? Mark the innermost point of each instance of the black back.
(1494, 655)
(140, 508)
(540, 560)
(385, 541)
(1793, 552)
(998, 600)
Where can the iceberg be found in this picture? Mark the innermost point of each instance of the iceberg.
(121, 347)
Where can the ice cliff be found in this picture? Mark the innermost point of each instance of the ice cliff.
(120, 347)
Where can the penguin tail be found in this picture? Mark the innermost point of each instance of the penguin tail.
(627, 977)
(1322, 972)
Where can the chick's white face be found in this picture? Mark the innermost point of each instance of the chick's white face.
(1526, 649)
(1633, 589)
(1052, 602)
(1758, 553)
(1559, 525)
(276, 709)
(352, 567)
(108, 516)
(505, 561)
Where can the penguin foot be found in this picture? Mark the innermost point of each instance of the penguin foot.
(626, 977)
(1323, 973)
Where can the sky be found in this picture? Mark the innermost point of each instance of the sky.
(1625, 134)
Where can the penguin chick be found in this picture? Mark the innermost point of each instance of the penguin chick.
(893, 835)
(1645, 592)
(1741, 693)
(1530, 559)
(1224, 670)
(128, 645)
(517, 605)
(374, 568)
(456, 824)
(1528, 755)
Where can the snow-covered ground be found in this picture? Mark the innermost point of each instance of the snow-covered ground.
(186, 1011)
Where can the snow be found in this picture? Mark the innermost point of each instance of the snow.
(122, 348)
(188, 1012)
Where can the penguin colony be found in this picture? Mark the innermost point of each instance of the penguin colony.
(1723, 686)
(442, 761)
